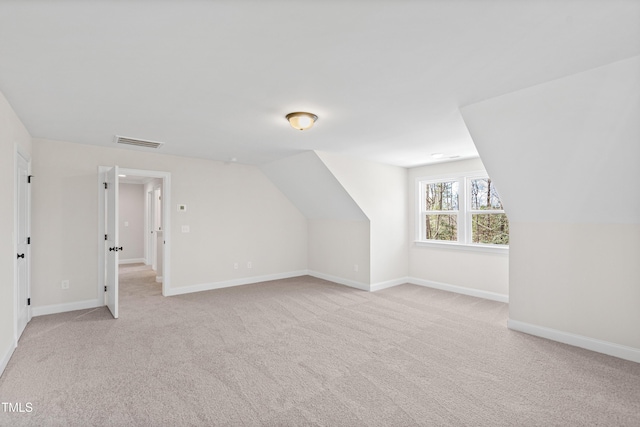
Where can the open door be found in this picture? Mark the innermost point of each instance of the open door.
(111, 240)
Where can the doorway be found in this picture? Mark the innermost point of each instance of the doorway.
(156, 218)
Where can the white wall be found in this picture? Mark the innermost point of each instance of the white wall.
(12, 134)
(381, 192)
(234, 212)
(338, 229)
(564, 155)
(131, 217)
(336, 247)
(481, 271)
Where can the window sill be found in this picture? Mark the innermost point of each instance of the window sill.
(491, 249)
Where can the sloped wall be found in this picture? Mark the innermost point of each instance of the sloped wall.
(565, 157)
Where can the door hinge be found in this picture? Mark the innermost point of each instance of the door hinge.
(28, 240)
(105, 185)
(29, 179)
(105, 237)
(105, 289)
(28, 301)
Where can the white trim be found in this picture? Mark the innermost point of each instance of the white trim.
(132, 261)
(7, 356)
(464, 214)
(388, 284)
(455, 246)
(69, 306)
(494, 296)
(234, 282)
(340, 280)
(605, 347)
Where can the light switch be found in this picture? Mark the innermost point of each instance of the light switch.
(126, 223)
(185, 228)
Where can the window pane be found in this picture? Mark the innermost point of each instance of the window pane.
(490, 228)
(441, 196)
(484, 195)
(441, 227)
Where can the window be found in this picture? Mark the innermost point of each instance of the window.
(465, 210)
(489, 223)
(441, 210)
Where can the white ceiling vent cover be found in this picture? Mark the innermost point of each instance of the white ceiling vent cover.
(137, 142)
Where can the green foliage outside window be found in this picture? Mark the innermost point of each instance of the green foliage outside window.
(442, 214)
(489, 228)
(442, 227)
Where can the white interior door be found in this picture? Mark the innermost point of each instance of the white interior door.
(150, 248)
(111, 242)
(22, 245)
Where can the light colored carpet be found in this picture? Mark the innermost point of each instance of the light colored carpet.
(304, 351)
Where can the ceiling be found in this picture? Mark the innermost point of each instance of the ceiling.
(214, 79)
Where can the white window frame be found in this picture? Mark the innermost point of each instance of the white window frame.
(465, 213)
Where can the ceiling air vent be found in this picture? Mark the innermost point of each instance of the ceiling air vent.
(137, 142)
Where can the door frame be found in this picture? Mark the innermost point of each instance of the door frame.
(20, 152)
(166, 223)
(149, 249)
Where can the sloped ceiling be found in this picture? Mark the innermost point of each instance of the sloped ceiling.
(566, 151)
(312, 188)
(214, 79)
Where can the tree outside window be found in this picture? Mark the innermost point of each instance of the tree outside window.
(466, 210)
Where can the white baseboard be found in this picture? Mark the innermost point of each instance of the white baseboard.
(70, 306)
(460, 289)
(235, 282)
(6, 356)
(599, 346)
(339, 280)
(388, 284)
(132, 261)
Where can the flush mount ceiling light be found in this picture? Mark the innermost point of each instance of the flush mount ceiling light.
(301, 121)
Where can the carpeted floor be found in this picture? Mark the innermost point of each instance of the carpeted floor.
(301, 352)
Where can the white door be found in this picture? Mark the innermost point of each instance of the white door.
(150, 227)
(22, 245)
(111, 241)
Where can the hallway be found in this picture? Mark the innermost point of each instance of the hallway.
(137, 285)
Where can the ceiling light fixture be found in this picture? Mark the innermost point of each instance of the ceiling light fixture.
(301, 121)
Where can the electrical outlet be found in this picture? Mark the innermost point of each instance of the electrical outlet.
(235, 265)
(355, 267)
(249, 264)
(65, 284)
